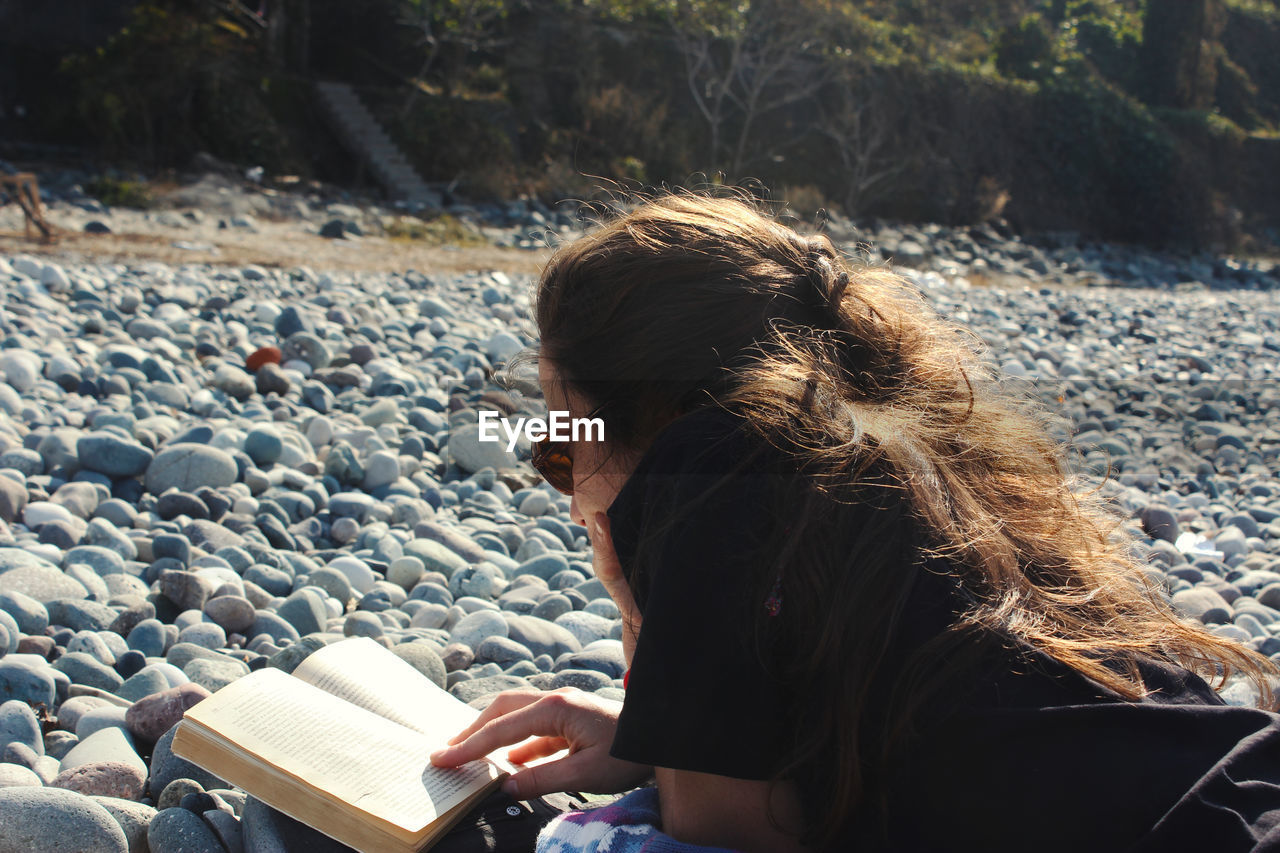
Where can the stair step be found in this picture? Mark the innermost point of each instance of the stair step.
(365, 136)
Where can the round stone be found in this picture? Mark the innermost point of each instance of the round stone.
(264, 445)
(178, 829)
(232, 613)
(356, 571)
(188, 467)
(110, 454)
(53, 820)
(106, 779)
(473, 628)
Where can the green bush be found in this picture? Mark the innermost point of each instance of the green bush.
(115, 192)
(450, 138)
(1108, 151)
(1026, 50)
(175, 80)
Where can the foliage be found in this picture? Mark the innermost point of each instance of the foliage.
(448, 31)
(1261, 8)
(744, 61)
(442, 230)
(177, 79)
(1084, 38)
(116, 192)
(454, 139)
(1048, 112)
(1027, 50)
(1106, 144)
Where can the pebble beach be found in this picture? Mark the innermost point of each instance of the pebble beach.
(209, 468)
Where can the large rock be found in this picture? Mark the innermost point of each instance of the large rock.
(165, 767)
(181, 831)
(435, 556)
(188, 590)
(80, 615)
(266, 830)
(33, 685)
(305, 611)
(480, 688)
(134, 818)
(19, 724)
(17, 776)
(188, 466)
(471, 454)
(422, 657)
(211, 536)
(1159, 522)
(51, 820)
(151, 717)
(106, 779)
(214, 674)
(40, 579)
(31, 616)
(13, 499)
(474, 628)
(105, 746)
(541, 638)
(1201, 603)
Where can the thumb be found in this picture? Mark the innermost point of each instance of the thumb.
(549, 778)
(602, 538)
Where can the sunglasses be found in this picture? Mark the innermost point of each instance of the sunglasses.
(553, 460)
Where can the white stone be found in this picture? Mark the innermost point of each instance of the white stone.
(535, 503)
(471, 454)
(356, 571)
(42, 512)
(20, 370)
(502, 346)
(382, 468)
(266, 312)
(28, 266)
(319, 431)
(54, 278)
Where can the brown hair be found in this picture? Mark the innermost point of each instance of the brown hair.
(688, 301)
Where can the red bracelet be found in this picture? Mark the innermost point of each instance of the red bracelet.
(626, 676)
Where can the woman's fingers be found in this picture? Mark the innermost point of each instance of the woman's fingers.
(503, 703)
(566, 774)
(536, 718)
(535, 749)
(542, 725)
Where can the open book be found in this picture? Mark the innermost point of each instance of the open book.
(342, 745)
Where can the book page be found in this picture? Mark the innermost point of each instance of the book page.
(377, 765)
(366, 674)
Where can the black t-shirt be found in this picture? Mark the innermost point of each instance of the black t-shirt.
(1031, 756)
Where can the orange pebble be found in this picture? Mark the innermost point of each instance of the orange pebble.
(262, 356)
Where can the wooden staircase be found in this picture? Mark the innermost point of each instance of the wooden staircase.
(365, 138)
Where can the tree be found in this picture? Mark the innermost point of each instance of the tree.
(1180, 52)
(746, 60)
(468, 26)
(858, 121)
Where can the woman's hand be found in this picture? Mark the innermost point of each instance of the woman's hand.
(608, 570)
(567, 718)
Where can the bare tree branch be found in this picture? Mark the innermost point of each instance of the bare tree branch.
(767, 49)
(861, 131)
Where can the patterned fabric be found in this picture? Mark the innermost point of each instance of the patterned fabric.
(629, 825)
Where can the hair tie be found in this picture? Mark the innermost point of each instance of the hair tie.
(817, 272)
(825, 286)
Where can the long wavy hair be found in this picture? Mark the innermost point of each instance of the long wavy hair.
(688, 300)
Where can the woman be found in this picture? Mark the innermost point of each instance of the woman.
(864, 608)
